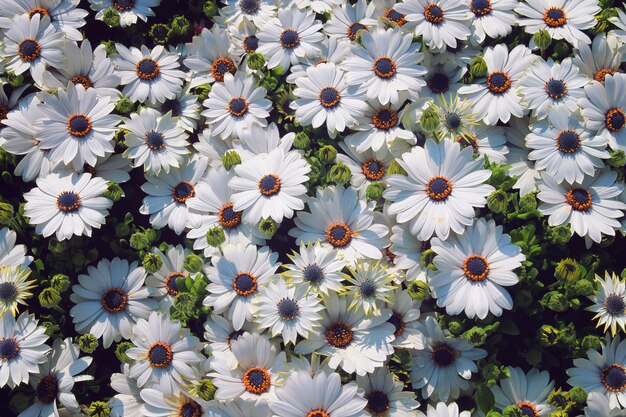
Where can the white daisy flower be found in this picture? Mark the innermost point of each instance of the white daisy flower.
(406, 250)
(287, 310)
(320, 395)
(78, 126)
(250, 371)
(548, 85)
(236, 104)
(258, 12)
(529, 391)
(163, 282)
(564, 148)
(14, 288)
(128, 402)
(220, 333)
(168, 192)
(32, 44)
(601, 59)
(387, 15)
(603, 372)
(113, 168)
(386, 66)
(352, 341)
(473, 268)
(517, 158)
(12, 255)
(486, 141)
(158, 404)
(55, 380)
(604, 109)
(349, 19)
(22, 348)
(241, 408)
(443, 185)
(257, 140)
(152, 75)
(110, 299)
(324, 97)
(456, 116)
(385, 396)
(64, 15)
(333, 50)
(243, 40)
(609, 302)
(492, 18)
(442, 78)
(210, 57)
(68, 204)
(440, 23)
(598, 406)
(236, 277)
(317, 266)
(443, 369)
(129, 10)
(562, 19)
(591, 208)
(620, 22)
(339, 219)
(371, 287)
(367, 168)
(270, 185)
(498, 98)
(166, 356)
(185, 108)
(290, 37)
(155, 140)
(443, 410)
(404, 316)
(91, 68)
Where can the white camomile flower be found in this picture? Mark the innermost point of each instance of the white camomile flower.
(67, 204)
(609, 303)
(259, 12)
(220, 333)
(406, 250)
(385, 395)
(600, 59)
(371, 286)
(598, 406)
(491, 18)
(367, 167)
(404, 316)
(349, 19)
(604, 109)
(184, 107)
(163, 282)
(486, 141)
(529, 391)
(333, 50)
(129, 10)
(442, 409)
(14, 288)
(210, 57)
(159, 404)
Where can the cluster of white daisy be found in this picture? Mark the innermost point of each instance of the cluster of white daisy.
(418, 106)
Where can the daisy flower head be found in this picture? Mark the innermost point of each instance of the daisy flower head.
(270, 185)
(322, 96)
(443, 186)
(168, 193)
(12, 255)
(163, 282)
(257, 140)
(385, 396)
(127, 402)
(333, 50)
(64, 15)
(166, 356)
(235, 104)
(386, 67)
(236, 278)
(371, 287)
(442, 78)
(318, 266)
(609, 303)
(442, 409)
(565, 19)
(455, 116)
(148, 75)
(129, 10)
(529, 391)
(498, 98)
(210, 57)
(341, 220)
(349, 19)
(32, 44)
(22, 348)
(446, 364)
(564, 148)
(404, 316)
(591, 207)
(220, 333)
(604, 109)
(548, 85)
(259, 12)
(485, 141)
(288, 310)
(54, 382)
(600, 59)
(296, 398)
(491, 18)
(473, 268)
(110, 299)
(290, 37)
(67, 204)
(441, 23)
(78, 126)
(250, 371)
(158, 404)
(598, 406)
(603, 372)
(367, 167)
(14, 288)
(155, 140)
(184, 107)
(350, 340)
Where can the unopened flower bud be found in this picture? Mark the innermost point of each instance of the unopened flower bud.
(230, 159)
(215, 236)
(478, 67)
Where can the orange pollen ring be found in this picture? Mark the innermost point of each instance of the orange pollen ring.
(574, 196)
(229, 223)
(251, 384)
(434, 189)
(476, 261)
(38, 10)
(616, 367)
(190, 409)
(82, 79)
(434, 18)
(385, 119)
(500, 76)
(250, 285)
(339, 241)
(373, 175)
(34, 54)
(601, 74)
(221, 66)
(170, 290)
(615, 119)
(338, 335)
(190, 192)
(86, 129)
(528, 405)
(394, 16)
(551, 20)
(318, 412)
(163, 348)
(147, 76)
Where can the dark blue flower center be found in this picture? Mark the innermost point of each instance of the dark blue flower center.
(453, 121)
(568, 141)
(442, 355)
(433, 14)
(439, 83)
(160, 355)
(394, 16)
(249, 6)
(256, 380)
(480, 7)
(47, 389)
(172, 105)
(615, 119)
(527, 410)
(556, 89)
(313, 274)
(579, 198)
(250, 43)
(29, 50)
(438, 188)
(114, 300)
(147, 69)
(476, 268)
(288, 309)
(289, 39)
(398, 323)
(384, 67)
(338, 335)
(614, 304)
(183, 191)
(234, 335)
(269, 185)
(555, 17)
(244, 284)
(9, 348)
(8, 291)
(329, 97)
(170, 282)
(190, 409)
(614, 377)
(238, 106)
(78, 125)
(339, 235)
(498, 82)
(354, 28)
(367, 289)
(377, 403)
(68, 201)
(155, 140)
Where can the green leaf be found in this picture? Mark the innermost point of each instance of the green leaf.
(508, 327)
(484, 398)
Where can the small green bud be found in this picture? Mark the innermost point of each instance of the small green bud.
(476, 335)
(567, 270)
(418, 290)
(205, 389)
(549, 335)
(88, 343)
(256, 61)
(60, 282)
(301, 141)
(512, 411)
(605, 4)
(160, 33)
(124, 106)
(583, 288)
(559, 235)
(111, 17)
(491, 371)
(268, 227)
(120, 352)
(327, 154)
(340, 173)
(498, 201)
(202, 91)
(555, 301)
(114, 192)
(543, 39)
(429, 120)
(99, 409)
(455, 327)
(395, 168)
(180, 26)
(374, 191)
(51, 328)
(152, 262)
(109, 47)
(578, 395)
(618, 159)
(230, 159)
(528, 203)
(6, 213)
(139, 241)
(15, 80)
(427, 258)
(493, 413)
(193, 263)
(184, 302)
(591, 342)
(215, 236)
(567, 335)
(478, 67)
(49, 297)
(210, 9)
